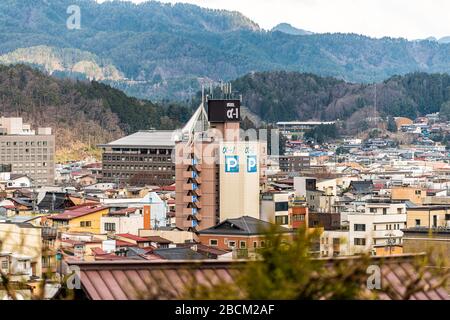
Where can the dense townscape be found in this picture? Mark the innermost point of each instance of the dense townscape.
(139, 203)
(165, 151)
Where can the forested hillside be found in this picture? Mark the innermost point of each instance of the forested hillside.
(284, 96)
(167, 51)
(82, 113)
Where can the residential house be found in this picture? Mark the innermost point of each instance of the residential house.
(240, 233)
(80, 219)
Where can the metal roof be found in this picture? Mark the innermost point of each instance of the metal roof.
(145, 138)
(159, 279)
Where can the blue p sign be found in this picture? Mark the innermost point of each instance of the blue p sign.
(231, 163)
(252, 165)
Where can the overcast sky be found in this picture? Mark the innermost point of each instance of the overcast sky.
(411, 19)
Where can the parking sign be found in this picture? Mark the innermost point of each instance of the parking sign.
(232, 164)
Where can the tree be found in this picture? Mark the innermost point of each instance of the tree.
(444, 113)
(322, 133)
(391, 125)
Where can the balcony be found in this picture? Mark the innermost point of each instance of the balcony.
(190, 211)
(190, 187)
(191, 199)
(189, 174)
(49, 233)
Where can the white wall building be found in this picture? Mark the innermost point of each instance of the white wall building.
(379, 225)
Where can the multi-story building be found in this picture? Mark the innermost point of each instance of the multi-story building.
(275, 208)
(27, 152)
(428, 217)
(143, 158)
(293, 163)
(378, 229)
(217, 174)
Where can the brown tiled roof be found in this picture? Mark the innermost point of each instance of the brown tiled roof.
(131, 280)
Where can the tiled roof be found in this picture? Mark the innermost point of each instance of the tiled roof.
(78, 212)
(178, 254)
(242, 226)
(158, 239)
(132, 280)
(132, 237)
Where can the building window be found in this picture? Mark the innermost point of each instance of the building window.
(242, 244)
(417, 222)
(255, 244)
(373, 210)
(360, 241)
(213, 242)
(281, 220)
(5, 265)
(263, 244)
(359, 227)
(232, 244)
(110, 226)
(281, 206)
(85, 224)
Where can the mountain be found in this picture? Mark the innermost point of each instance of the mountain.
(444, 40)
(287, 96)
(166, 51)
(64, 62)
(81, 113)
(289, 29)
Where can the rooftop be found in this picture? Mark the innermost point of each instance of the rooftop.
(145, 138)
(243, 226)
(78, 212)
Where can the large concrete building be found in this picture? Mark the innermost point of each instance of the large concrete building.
(26, 151)
(143, 158)
(217, 173)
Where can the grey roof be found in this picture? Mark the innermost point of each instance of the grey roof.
(179, 253)
(145, 138)
(243, 226)
(362, 187)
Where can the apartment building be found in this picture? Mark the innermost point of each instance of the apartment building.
(26, 151)
(143, 158)
(428, 217)
(293, 163)
(275, 208)
(378, 229)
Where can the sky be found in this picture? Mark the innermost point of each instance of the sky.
(410, 19)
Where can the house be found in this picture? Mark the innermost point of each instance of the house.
(428, 216)
(87, 180)
(80, 219)
(240, 233)
(54, 201)
(274, 208)
(23, 241)
(413, 194)
(361, 188)
(126, 220)
(135, 240)
(19, 181)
